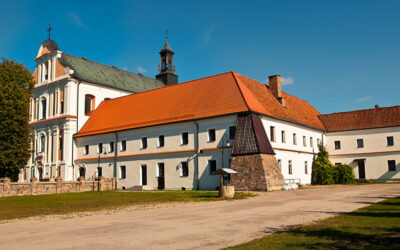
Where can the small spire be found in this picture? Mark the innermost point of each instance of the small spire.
(49, 30)
(166, 35)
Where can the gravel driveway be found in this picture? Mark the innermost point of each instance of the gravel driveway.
(208, 225)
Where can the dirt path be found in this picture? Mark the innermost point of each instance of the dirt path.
(209, 225)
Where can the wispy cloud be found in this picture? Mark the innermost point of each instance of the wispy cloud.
(77, 20)
(125, 68)
(363, 99)
(207, 36)
(141, 70)
(287, 80)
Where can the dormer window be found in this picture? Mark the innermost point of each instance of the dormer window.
(89, 104)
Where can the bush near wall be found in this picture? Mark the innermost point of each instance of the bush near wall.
(325, 173)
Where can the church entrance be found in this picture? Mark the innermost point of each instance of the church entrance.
(82, 172)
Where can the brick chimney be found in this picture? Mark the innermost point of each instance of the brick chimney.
(275, 88)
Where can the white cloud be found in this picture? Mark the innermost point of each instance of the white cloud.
(140, 69)
(77, 20)
(287, 80)
(125, 68)
(207, 36)
(363, 99)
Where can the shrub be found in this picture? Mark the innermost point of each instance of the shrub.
(344, 174)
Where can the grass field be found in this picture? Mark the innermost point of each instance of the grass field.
(26, 206)
(374, 227)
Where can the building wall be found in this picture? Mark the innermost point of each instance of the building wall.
(376, 152)
(172, 154)
(297, 153)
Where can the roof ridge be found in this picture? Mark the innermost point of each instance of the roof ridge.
(360, 110)
(169, 86)
(240, 90)
(102, 64)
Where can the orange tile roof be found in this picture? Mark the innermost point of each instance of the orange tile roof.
(362, 119)
(223, 94)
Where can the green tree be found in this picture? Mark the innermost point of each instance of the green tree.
(16, 85)
(322, 168)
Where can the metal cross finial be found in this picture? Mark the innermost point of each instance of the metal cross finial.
(166, 35)
(49, 30)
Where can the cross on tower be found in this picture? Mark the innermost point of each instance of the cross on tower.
(166, 35)
(49, 30)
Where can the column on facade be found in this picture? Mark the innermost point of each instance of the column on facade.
(49, 71)
(53, 68)
(39, 73)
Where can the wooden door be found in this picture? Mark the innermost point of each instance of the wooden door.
(161, 178)
(361, 170)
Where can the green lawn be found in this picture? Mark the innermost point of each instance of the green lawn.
(374, 227)
(25, 206)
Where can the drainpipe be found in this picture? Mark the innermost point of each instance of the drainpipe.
(115, 154)
(196, 145)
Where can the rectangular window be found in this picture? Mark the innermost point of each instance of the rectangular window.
(280, 163)
(337, 144)
(306, 167)
(160, 169)
(318, 142)
(304, 141)
(99, 171)
(294, 139)
(86, 151)
(61, 145)
(283, 135)
(144, 143)
(360, 143)
(111, 147)
(290, 167)
(160, 141)
(212, 165)
(88, 103)
(100, 148)
(123, 145)
(185, 138)
(272, 131)
(144, 174)
(232, 131)
(122, 172)
(61, 101)
(311, 142)
(184, 169)
(392, 165)
(390, 140)
(211, 135)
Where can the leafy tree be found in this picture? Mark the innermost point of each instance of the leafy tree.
(322, 168)
(16, 85)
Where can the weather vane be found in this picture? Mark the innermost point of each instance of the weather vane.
(49, 30)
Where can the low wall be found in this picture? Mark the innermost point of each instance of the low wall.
(8, 188)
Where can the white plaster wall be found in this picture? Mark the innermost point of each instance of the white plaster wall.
(298, 153)
(376, 152)
(100, 93)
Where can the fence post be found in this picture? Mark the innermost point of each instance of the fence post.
(81, 184)
(101, 183)
(58, 184)
(6, 186)
(114, 183)
(34, 185)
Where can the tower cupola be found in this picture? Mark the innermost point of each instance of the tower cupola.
(167, 66)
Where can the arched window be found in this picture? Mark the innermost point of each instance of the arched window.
(44, 107)
(89, 104)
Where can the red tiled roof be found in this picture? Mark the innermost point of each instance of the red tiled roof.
(362, 119)
(222, 94)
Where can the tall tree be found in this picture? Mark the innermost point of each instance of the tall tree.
(16, 86)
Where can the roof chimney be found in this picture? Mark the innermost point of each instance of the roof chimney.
(275, 88)
(377, 106)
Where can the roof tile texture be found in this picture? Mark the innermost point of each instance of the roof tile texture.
(362, 119)
(222, 94)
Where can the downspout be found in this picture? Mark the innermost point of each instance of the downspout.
(73, 139)
(115, 155)
(196, 145)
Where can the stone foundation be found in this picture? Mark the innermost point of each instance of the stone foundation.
(8, 188)
(258, 172)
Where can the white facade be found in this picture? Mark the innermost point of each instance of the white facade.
(57, 112)
(297, 152)
(198, 153)
(375, 154)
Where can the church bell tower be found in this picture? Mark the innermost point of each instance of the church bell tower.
(167, 67)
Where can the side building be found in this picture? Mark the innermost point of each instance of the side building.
(175, 137)
(68, 89)
(368, 140)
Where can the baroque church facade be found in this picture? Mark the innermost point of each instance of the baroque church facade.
(92, 120)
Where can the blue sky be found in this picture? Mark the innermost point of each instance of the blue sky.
(338, 55)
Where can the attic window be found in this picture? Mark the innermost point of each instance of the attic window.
(89, 104)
